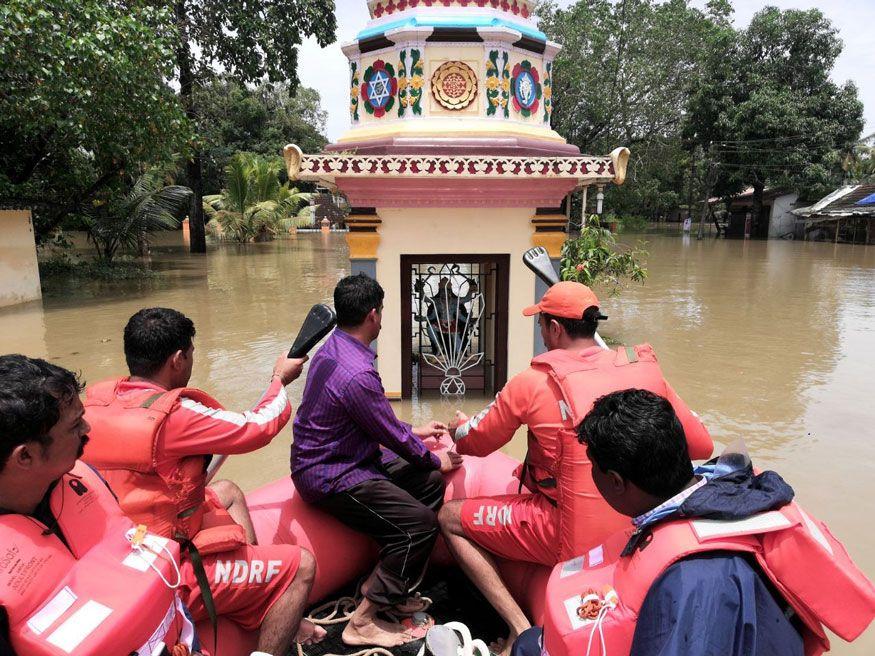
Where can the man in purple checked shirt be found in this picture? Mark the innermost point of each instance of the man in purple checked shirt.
(391, 494)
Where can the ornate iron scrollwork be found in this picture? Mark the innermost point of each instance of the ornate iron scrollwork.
(448, 304)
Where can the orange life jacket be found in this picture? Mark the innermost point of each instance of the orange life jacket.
(593, 601)
(585, 518)
(124, 448)
(96, 596)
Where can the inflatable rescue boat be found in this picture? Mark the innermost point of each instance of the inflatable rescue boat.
(343, 556)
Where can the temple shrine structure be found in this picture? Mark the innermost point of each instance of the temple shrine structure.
(452, 171)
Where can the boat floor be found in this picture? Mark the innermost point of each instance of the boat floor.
(454, 598)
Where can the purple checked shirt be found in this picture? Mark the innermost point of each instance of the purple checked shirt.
(343, 419)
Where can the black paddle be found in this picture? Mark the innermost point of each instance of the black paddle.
(318, 323)
(538, 260)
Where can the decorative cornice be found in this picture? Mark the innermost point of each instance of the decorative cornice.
(550, 223)
(363, 223)
(491, 36)
(584, 169)
(379, 8)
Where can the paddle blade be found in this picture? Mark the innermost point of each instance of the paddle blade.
(318, 323)
(538, 260)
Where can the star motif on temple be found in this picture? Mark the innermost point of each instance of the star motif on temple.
(379, 89)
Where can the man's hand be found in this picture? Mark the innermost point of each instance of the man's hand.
(450, 460)
(431, 429)
(455, 422)
(288, 369)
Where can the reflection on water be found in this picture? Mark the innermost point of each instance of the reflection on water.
(769, 341)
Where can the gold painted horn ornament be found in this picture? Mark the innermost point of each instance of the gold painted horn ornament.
(620, 158)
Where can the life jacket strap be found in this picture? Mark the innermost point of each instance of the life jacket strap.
(151, 399)
(200, 574)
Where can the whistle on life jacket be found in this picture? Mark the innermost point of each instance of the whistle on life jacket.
(138, 537)
(151, 547)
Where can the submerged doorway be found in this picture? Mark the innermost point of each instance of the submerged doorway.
(453, 324)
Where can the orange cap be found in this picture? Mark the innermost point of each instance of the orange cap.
(565, 299)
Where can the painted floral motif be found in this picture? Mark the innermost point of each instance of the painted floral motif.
(525, 88)
(497, 83)
(403, 84)
(379, 88)
(386, 7)
(548, 92)
(354, 91)
(414, 94)
(410, 88)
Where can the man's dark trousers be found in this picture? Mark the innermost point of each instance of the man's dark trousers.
(400, 514)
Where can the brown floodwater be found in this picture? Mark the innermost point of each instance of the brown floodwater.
(771, 342)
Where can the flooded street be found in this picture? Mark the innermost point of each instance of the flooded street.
(771, 342)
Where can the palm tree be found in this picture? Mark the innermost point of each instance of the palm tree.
(151, 204)
(254, 206)
(859, 164)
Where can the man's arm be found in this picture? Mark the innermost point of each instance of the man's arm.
(494, 426)
(714, 604)
(366, 402)
(196, 429)
(699, 441)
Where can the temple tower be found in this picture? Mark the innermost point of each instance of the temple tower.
(452, 171)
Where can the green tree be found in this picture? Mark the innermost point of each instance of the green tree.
(766, 111)
(233, 118)
(254, 206)
(152, 202)
(622, 78)
(83, 99)
(595, 258)
(249, 41)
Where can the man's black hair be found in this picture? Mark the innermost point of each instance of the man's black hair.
(638, 435)
(153, 335)
(32, 393)
(354, 297)
(584, 327)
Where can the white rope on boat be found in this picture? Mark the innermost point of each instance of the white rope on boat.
(339, 611)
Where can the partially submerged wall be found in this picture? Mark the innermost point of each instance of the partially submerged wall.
(19, 274)
(782, 220)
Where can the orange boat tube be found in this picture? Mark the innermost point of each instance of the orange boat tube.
(343, 555)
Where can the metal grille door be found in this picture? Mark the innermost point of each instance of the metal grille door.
(455, 315)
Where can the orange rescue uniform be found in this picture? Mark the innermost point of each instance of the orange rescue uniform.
(551, 398)
(150, 445)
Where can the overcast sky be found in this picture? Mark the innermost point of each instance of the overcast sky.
(326, 69)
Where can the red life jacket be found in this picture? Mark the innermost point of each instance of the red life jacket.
(96, 596)
(593, 601)
(124, 448)
(585, 518)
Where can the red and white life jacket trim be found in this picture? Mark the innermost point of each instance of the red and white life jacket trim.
(585, 518)
(93, 595)
(171, 504)
(595, 599)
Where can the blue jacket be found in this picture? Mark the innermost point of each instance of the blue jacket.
(712, 604)
(719, 603)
